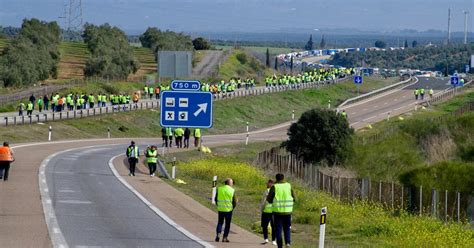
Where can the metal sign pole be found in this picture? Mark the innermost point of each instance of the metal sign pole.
(322, 227)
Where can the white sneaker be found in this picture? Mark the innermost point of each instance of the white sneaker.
(129, 174)
(265, 241)
(153, 174)
(274, 242)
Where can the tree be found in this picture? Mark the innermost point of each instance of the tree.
(320, 135)
(322, 44)
(267, 59)
(414, 43)
(111, 55)
(201, 44)
(32, 56)
(380, 44)
(158, 40)
(309, 44)
(291, 63)
(406, 44)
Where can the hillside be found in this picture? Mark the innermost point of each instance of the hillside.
(241, 63)
(75, 54)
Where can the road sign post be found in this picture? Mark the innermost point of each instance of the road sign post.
(358, 80)
(454, 81)
(322, 227)
(186, 109)
(49, 134)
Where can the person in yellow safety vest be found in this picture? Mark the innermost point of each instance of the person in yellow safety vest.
(145, 91)
(91, 100)
(40, 104)
(6, 158)
(169, 133)
(431, 93)
(226, 202)
(422, 93)
(344, 114)
(267, 215)
(178, 134)
(416, 93)
(132, 154)
(29, 109)
(197, 137)
(151, 90)
(21, 107)
(282, 198)
(151, 155)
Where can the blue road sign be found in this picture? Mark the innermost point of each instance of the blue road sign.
(454, 80)
(358, 80)
(185, 85)
(186, 109)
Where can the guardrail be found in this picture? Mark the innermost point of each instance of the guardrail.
(37, 116)
(375, 92)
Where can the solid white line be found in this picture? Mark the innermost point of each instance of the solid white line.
(153, 208)
(74, 202)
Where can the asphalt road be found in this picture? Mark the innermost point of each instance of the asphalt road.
(94, 209)
(395, 102)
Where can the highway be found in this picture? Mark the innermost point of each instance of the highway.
(91, 205)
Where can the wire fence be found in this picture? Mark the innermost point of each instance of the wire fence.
(447, 206)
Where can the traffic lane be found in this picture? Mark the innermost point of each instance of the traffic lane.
(94, 209)
(430, 83)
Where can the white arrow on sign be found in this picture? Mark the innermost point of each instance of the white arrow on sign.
(202, 108)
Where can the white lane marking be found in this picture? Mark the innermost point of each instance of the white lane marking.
(74, 202)
(66, 191)
(57, 237)
(153, 208)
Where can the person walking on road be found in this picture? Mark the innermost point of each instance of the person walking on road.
(29, 108)
(197, 137)
(21, 108)
(187, 134)
(169, 132)
(178, 133)
(164, 137)
(226, 202)
(431, 93)
(40, 105)
(282, 198)
(422, 93)
(6, 158)
(416, 92)
(132, 154)
(46, 102)
(151, 155)
(267, 215)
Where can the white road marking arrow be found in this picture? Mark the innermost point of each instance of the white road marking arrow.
(202, 108)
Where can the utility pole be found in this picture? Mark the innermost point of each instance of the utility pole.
(449, 26)
(466, 14)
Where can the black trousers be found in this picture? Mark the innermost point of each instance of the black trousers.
(4, 169)
(227, 217)
(186, 142)
(267, 218)
(282, 223)
(133, 163)
(152, 167)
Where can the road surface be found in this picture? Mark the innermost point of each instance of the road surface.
(207, 67)
(92, 193)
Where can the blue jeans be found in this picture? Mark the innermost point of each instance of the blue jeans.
(227, 216)
(283, 223)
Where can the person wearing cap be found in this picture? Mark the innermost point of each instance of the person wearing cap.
(6, 158)
(132, 154)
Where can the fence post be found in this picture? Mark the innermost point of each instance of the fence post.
(6, 121)
(29, 116)
(421, 200)
(22, 120)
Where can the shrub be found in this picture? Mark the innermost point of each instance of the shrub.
(242, 58)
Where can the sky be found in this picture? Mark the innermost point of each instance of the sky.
(134, 16)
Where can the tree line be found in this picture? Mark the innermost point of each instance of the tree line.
(32, 55)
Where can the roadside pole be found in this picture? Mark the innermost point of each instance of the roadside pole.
(214, 189)
(49, 135)
(247, 138)
(322, 227)
(173, 169)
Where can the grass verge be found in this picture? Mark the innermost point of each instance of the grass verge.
(348, 225)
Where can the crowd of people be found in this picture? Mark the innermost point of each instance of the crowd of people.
(315, 75)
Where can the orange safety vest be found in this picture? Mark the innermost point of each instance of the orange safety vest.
(5, 154)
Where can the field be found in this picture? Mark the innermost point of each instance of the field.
(230, 116)
(75, 54)
(356, 225)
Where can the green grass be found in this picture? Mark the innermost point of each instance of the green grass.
(414, 141)
(354, 225)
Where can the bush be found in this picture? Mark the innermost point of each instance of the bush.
(158, 40)
(320, 135)
(242, 58)
(201, 44)
(451, 176)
